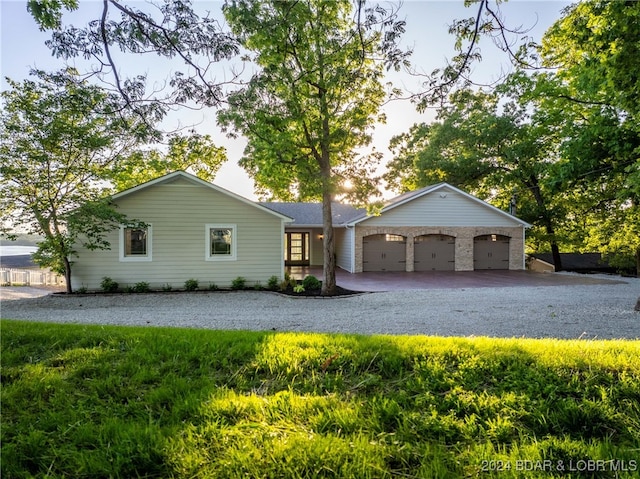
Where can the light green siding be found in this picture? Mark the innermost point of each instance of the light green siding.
(317, 252)
(444, 207)
(344, 248)
(178, 211)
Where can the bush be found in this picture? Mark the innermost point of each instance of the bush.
(311, 283)
(213, 287)
(273, 283)
(167, 287)
(141, 287)
(288, 283)
(258, 286)
(108, 285)
(191, 284)
(298, 289)
(238, 283)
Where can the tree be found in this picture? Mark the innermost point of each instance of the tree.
(494, 144)
(593, 51)
(171, 29)
(582, 118)
(194, 152)
(310, 105)
(59, 139)
(487, 22)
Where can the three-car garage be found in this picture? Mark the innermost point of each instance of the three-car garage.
(431, 252)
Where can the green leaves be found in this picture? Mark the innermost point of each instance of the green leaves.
(171, 29)
(48, 13)
(194, 152)
(315, 96)
(313, 99)
(59, 140)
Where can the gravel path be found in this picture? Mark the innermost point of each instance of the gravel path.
(578, 311)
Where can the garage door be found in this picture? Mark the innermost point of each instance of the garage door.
(434, 253)
(384, 253)
(491, 252)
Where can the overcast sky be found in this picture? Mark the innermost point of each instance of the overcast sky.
(22, 48)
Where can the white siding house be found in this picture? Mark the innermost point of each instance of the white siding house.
(195, 230)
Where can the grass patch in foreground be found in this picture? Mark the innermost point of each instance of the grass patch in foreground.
(90, 401)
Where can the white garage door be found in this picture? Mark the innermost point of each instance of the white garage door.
(384, 252)
(491, 252)
(434, 253)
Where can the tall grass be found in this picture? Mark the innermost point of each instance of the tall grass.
(87, 401)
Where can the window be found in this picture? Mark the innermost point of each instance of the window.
(390, 237)
(135, 244)
(221, 242)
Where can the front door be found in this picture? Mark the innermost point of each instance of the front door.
(296, 251)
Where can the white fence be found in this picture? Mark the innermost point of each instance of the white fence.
(10, 276)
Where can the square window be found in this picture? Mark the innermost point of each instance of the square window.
(221, 242)
(135, 244)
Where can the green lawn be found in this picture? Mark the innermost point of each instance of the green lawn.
(90, 401)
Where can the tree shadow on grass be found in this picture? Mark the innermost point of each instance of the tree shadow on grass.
(133, 402)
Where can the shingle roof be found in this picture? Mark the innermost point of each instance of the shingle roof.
(577, 261)
(310, 214)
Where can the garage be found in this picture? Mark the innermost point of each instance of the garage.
(384, 252)
(491, 252)
(434, 253)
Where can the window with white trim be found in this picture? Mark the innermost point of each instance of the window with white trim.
(220, 240)
(135, 243)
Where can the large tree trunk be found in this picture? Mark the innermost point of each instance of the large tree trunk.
(534, 185)
(328, 243)
(555, 253)
(329, 262)
(555, 249)
(67, 274)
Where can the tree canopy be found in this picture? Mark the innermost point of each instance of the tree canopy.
(170, 29)
(566, 138)
(313, 99)
(59, 140)
(194, 152)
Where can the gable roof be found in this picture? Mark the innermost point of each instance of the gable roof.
(170, 177)
(413, 195)
(310, 214)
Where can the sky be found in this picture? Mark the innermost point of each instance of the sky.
(427, 21)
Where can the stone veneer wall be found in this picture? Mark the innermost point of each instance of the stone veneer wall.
(464, 242)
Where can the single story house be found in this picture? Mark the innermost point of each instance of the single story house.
(197, 230)
(436, 228)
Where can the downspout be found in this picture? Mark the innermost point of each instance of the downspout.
(524, 259)
(282, 230)
(352, 245)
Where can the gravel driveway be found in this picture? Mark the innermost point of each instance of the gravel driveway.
(573, 311)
